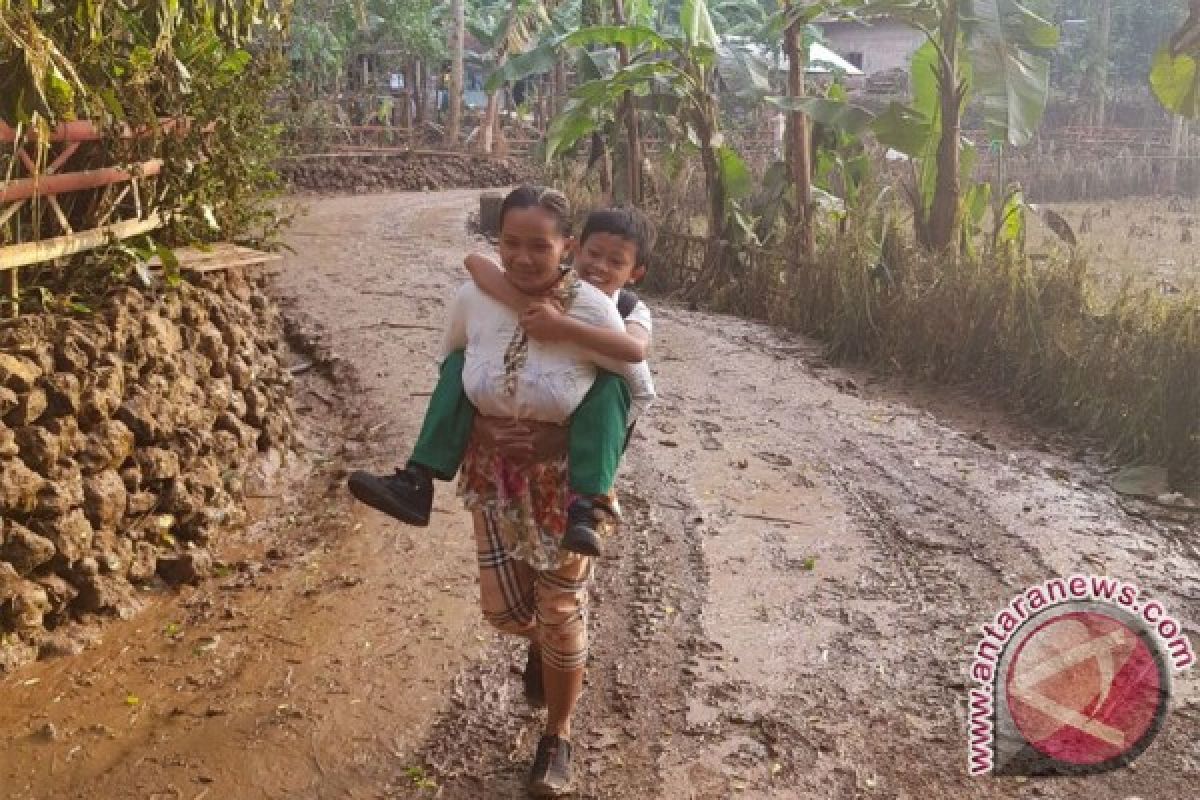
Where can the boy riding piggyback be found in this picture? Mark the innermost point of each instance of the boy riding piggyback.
(611, 253)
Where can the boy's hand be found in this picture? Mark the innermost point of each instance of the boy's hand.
(545, 321)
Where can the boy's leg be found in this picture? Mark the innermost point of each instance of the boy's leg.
(597, 435)
(408, 494)
(447, 425)
(596, 442)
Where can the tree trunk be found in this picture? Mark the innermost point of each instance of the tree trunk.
(419, 90)
(1100, 35)
(942, 230)
(633, 155)
(457, 58)
(800, 141)
(491, 116)
(706, 128)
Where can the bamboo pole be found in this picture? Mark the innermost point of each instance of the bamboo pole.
(48, 185)
(800, 138)
(633, 168)
(22, 255)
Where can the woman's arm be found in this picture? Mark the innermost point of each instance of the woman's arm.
(544, 322)
(455, 335)
(489, 277)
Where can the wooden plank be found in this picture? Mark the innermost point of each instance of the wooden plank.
(22, 255)
(221, 256)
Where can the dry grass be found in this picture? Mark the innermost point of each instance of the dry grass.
(1118, 365)
(1145, 243)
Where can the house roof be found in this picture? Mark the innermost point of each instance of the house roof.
(821, 60)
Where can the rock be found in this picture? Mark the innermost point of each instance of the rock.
(29, 409)
(141, 415)
(70, 439)
(108, 446)
(8, 442)
(15, 654)
(71, 355)
(105, 498)
(71, 534)
(60, 644)
(59, 593)
(247, 437)
(179, 498)
(162, 333)
(18, 373)
(24, 549)
(87, 567)
(143, 565)
(157, 464)
(19, 487)
(190, 566)
(100, 593)
(8, 401)
(257, 407)
(140, 503)
(103, 396)
(211, 345)
(25, 611)
(57, 497)
(63, 393)
(39, 448)
(240, 373)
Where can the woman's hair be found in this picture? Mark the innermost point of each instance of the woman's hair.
(552, 201)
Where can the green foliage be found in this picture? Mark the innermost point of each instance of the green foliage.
(209, 67)
(1175, 75)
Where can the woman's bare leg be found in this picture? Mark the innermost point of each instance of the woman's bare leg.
(563, 688)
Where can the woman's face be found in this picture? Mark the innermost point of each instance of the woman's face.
(531, 248)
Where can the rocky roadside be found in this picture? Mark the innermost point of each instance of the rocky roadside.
(124, 447)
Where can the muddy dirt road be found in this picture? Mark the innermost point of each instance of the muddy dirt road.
(789, 613)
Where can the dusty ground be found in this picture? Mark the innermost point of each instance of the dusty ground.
(788, 613)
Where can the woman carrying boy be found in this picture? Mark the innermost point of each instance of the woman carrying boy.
(523, 393)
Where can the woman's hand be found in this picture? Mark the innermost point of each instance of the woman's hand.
(545, 321)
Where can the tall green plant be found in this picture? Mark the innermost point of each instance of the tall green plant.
(1175, 75)
(993, 50)
(675, 77)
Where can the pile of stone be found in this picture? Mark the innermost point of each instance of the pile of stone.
(402, 172)
(124, 444)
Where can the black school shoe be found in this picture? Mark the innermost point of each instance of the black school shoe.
(407, 495)
(551, 774)
(581, 536)
(535, 687)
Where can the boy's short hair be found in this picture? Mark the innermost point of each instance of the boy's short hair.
(628, 223)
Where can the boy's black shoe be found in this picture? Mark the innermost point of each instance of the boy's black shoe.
(581, 536)
(406, 495)
(551, 774)
(535, 688)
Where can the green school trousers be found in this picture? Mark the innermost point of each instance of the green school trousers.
(596, 439)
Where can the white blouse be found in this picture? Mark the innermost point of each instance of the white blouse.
(555, 377)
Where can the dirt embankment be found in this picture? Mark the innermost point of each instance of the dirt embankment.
(124, 450)
(361, 174)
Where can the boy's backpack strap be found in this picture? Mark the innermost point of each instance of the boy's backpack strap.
(626, 302)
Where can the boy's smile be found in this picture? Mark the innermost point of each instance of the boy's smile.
(608, 262)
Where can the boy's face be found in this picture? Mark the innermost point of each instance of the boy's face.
(608, 262)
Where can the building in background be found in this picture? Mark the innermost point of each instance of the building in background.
(881, 46)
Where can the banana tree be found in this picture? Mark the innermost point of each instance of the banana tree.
(1175, 76)
(993, 50)
(673, 76)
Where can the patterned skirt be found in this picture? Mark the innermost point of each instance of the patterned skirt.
(528, 498)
